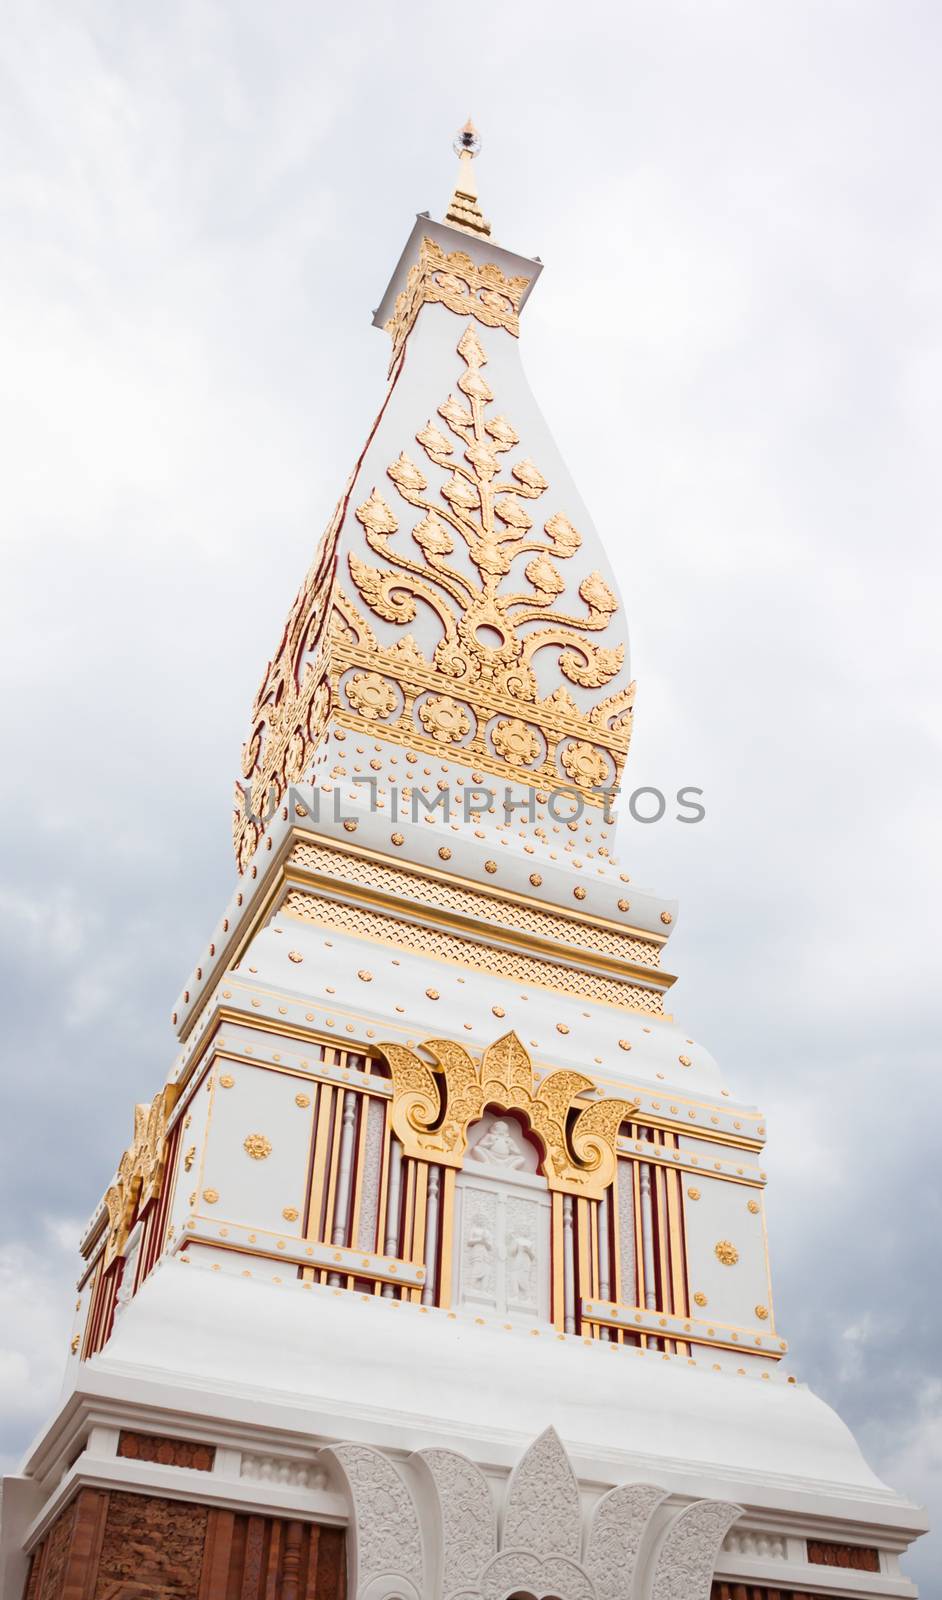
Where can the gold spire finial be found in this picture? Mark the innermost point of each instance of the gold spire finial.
(464, 210)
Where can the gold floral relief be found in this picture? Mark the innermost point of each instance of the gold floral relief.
(435, 1103)
(473, 528)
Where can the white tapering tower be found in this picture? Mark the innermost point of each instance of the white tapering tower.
(437, 1270)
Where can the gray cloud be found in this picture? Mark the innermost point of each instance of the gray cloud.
(737, 342)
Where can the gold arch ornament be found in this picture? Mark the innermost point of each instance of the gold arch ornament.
(434, 1104)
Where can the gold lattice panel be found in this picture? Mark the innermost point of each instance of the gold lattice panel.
(466, 953)
(481, 908)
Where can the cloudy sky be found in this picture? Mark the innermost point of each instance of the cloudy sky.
(737, 343)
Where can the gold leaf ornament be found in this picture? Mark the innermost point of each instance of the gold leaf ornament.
(434, 1105)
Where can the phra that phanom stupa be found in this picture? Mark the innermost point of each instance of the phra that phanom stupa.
(437, 1269)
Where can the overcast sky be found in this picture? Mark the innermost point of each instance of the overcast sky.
(737, 343)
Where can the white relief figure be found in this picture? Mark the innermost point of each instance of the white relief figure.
(125, 1292)
(499, 1148)
(479, 1246)
(521, 1253)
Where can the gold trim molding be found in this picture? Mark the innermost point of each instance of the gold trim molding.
(435, 1104)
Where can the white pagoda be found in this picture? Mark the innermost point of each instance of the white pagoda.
(434, 1150)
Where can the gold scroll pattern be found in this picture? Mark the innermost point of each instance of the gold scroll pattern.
(141, 1169)
(435, 1104)
(452, 279)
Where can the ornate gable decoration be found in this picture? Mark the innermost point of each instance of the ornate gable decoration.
(434, 1106)
(457, 537)
(140, 1170)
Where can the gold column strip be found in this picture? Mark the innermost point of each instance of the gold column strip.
(583, 1249)
(333, 1163)
(556, 1255)
(449, 1175)
(595, 1246)
(319, 1169)
(417, 1251)
(666, 1300)
(677, 1252)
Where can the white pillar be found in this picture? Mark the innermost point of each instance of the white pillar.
(344, 1175)
(605, 1271)
(431, 1235)
(647, 1239)
(393, 1195)
(569, 1276)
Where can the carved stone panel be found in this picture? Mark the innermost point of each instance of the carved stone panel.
(466, 1511)
(544, 1510)
(687, 1558)
(503, 1207)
